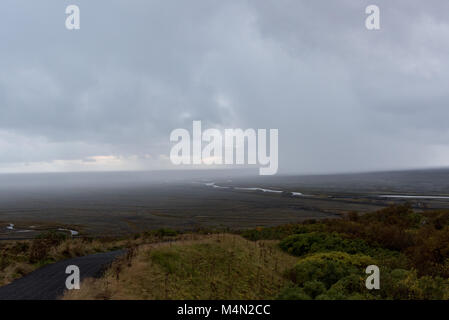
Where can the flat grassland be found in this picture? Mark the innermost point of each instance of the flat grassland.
(104, 205)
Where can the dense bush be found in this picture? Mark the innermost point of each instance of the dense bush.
(397, 284)
(52, 237)
(301, 244)
(351, 287)
(400, 216)
(314, 288)
(305, 243)
(43, 243)
(293, 293)
(328, 267)
(422, 237)
(388, 231)
(412, 250)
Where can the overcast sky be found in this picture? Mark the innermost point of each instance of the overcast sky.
(107, 96)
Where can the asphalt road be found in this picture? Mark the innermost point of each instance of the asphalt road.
(48, 282)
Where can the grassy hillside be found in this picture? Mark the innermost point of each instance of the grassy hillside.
(219, 266)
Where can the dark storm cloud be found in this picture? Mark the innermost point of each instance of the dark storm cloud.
(342, 97)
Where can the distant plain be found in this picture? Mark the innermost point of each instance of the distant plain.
(111, 204)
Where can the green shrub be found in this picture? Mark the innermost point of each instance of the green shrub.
(351, 287)
(53, 237)
(293, 293)
(314, 288)
(328, 267)
(401, 284)
(302, 244)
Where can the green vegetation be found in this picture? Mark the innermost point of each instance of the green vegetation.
(301, 244)
(411, 249)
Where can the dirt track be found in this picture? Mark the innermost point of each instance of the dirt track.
(48, 283)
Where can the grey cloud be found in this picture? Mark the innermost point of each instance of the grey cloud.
(343, 98)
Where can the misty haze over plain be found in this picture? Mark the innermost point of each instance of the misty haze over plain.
(106, 97)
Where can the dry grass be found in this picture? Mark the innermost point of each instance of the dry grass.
(18, 258)
(219, 266)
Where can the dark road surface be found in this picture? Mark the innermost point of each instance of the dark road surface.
(48, 283)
